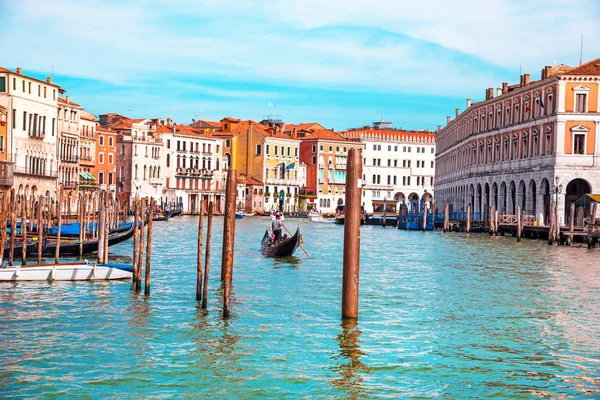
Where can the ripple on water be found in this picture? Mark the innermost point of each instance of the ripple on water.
(441, 315)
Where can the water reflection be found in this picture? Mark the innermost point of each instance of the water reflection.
(349, 365)
(286, 262)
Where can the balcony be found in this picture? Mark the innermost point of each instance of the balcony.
(70, 184)
(181, 172)
(37, 135)
(103, 186)
(206, 174)
(112, 188)
(156, 181)
(37, 174)
(282, 182)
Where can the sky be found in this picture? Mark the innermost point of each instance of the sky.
(343, 64)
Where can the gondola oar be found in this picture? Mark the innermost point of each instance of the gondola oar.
(303, 249)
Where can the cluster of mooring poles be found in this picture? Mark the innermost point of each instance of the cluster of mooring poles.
(520, 224)
(142, 217)
(35, 216)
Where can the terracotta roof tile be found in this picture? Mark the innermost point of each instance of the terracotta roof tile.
(248, 180)
(325, 134)
(71, 103)
(589, 68)
(356, 134)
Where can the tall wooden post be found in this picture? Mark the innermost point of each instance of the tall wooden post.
(199, 258)
(468, 222)
(59, 200)
(594, 209)
(446, 217)
(40, 230)
(350, 279)
(136, 212)
(551, 232)
(81, 221)
(3, 223)
(207, 256)
(519, 223)
(424, 222)
(228, 239)
(100, 227)
(24, 230)
(149, 248)
(13, 227)
(491, 215)
(557, 224)
(107, 208)
(140, 254)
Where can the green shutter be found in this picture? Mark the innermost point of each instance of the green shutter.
(2, 84)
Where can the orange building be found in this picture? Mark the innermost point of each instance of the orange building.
(6, 171)
(106, 158)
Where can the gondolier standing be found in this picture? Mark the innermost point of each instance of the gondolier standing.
(276, 225)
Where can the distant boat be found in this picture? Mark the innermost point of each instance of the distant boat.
(161, 216)
(384, 212)
(285, 248)
(340, 215)
(85, 271)
(239, 215)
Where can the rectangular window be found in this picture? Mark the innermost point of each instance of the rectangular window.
(23, 85)
(29, 87)
(258, 149)
(418, 150)
(53, 122)
(110, 141)
(15, 84)
(101, 139)
(14, 118)
(101, 158)
(101, 178)
(39, 90)
(321, 147)
(289, 152)
(25, 121)
(2, 84)
(110, 178)
(314, 148)
(395, 163)
(267, 149)
(580, 102)
(110, 159)
(579, 143)
(53, 94)
(295, 152)
(45, 91)
(228, 143)
(389, 162)
(374, 147)
(275, 147)
(314, 160)
(330, 148)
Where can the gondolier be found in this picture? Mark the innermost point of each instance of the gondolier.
(277, 225)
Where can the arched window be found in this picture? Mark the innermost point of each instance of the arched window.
(122, 171)
(145, 172)
(136, 171)
(168, 160)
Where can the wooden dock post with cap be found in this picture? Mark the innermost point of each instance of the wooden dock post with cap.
(13, 231)
(100, 227)
(199, 257)
(491, 215)
(23, 230)
(519, 223)
(351, 269)
(228, 239)
(40, 230)
(552, 220)
(424, 222)
(140, 254)
(207, 255)
(590, 239)
(149, 248)
(3, 223)
(136, 211)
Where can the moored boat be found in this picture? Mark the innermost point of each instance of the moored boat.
(161, 216)
(85, 271)
(71, 248)
(285, 248)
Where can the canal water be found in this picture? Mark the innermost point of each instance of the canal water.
(453, 315)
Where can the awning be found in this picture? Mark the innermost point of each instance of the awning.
(290, 166)
(87, 176)
(588, 198)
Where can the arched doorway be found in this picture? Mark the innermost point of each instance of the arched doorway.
(400, 197)
(522, 197)
(413, 200)
(575, 190)
(495, 195)
(513, 198)
(546, 195)
(532, 206)
(502, 204)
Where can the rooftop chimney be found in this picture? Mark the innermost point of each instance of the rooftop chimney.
(489, 93)
(19, 70)
(457, 112)
(48, 79)
(448, 119)
(468, 103)
(504, 87)
(67, 99)
(547, 72)
(526, 79)
(439, 128)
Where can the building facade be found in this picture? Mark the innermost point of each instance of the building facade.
(325, 154)
(31, 130)
(534, 143)
(397, 165)
(192, 165)
(68, 119)
(105, 171)
(282, 180)
(87, 152)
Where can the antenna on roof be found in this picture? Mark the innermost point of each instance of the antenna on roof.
(581, 51)
(52, 73)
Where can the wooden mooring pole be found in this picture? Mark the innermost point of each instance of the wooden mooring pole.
(3, 223)
(40, 230)
(59, 199)
(100, 226)
(13, 230)
(149, 248)
(551, 232)
(491, 223)
(24, 230)
(136, 233)
(519, 224)
(228, 239)
(140, 254)
(446, 217)
(590, 241)
(468, 222)
(350, 279)
(424, 222)
(207, 255)
(199, 258)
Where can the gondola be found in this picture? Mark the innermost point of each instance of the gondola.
(162, 216)
(71, 248)
(31, 249)
(285, 248)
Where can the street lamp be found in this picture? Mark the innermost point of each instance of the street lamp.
(557, 189)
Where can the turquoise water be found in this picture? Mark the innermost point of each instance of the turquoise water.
(453, 316)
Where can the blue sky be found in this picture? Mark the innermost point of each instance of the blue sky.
(341, 63)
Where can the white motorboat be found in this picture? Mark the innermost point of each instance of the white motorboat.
(315, 217)
(86, 271)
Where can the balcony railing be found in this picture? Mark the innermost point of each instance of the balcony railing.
(156, 181)
(70, 184)
(6, 173)
(28, 171)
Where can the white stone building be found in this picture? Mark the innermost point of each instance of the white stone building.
(193, 168)
(509, 150)
(397, 165)
(31, 106)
